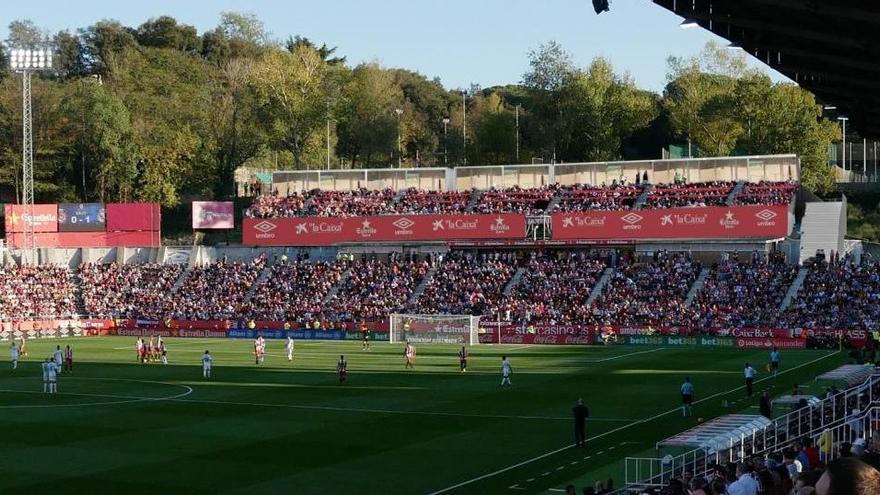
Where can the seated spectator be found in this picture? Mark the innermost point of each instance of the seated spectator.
(843, 295)
(467, 283)
(36, 291)
(215, 291)
(690, 195)
(136, 290)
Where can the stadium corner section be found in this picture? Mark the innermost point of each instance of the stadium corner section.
(548, 471)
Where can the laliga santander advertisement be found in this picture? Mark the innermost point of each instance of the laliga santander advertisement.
(713, 222)
(327, 231)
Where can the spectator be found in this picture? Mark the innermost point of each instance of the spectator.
(849, 476)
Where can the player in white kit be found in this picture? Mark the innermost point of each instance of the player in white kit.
(58, 358)
(206, 365)
(46, 375)
(14, 352)
(505, 371)
(53, 376)
(289, 348)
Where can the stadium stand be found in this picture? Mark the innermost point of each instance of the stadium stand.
(743, 293)
(418, 202)
(127, 291)
(36, 292)
(690, 195)
(647, 293)
(468, 283)
(766, 193)
(295, 290)
(583, 197)
(527, 201)
(215, 291)
(375, 289)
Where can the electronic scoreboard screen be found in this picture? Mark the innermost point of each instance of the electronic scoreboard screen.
(81, 217)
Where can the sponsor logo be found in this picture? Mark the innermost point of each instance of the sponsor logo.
(666, 220)
(729, 221)
(265, 227)
(766, 218)
(632, 221)
(403, 223)
(587, 221)
(437, 225)
(301, 228)
(567, 222)
(366, 229)
(499, 226)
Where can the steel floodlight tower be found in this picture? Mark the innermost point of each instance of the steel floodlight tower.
(26, 61)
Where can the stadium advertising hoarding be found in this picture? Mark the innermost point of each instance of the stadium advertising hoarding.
(753, 221)
(769, 343)
(127, 217)
(45, 218)
(82, 217)
(213, 215)
(326, 231)
(87, 239)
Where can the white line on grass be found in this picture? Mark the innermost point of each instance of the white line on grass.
(612, 358)
(646, 420)
(386, 411)
(123, 399)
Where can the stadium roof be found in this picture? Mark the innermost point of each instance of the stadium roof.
(829, 48)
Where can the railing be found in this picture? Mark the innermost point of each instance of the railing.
(829, 414)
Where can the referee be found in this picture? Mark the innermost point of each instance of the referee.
(580, 423)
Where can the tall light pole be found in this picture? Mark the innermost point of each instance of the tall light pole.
(27, 61)
(517, 133)
(464, 125)
(398, 112)
(445, 140)
(328, 134)
(843, 148)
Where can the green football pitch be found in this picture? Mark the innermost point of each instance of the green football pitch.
(117, 426)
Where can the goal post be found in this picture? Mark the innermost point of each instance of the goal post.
(434, 329)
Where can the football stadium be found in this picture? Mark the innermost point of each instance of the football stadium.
(234, 263)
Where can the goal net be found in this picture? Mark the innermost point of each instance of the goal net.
(434, 329)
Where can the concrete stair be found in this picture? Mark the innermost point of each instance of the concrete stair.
(642, 198)
(600, 286)
(551, 205)
(420, 288)
(794, 288)
(697, 286)
(731, 198)
(514, 281)
(823, 226)
(264, 275)
(335, 289)
(474, 201)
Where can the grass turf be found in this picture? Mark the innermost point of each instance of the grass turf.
(121, 427)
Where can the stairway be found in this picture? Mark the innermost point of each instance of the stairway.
(643, 197)
(697, 286)
(414, 297)
(554, 201)
(264, 275)
(476, 194)
(823, 226)
(794, 289)
(514, 281)
(731, 198)
(600, 285)
(335, 288)
(184, 274)
(76, 279)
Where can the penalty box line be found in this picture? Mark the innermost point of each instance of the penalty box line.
(641, 421)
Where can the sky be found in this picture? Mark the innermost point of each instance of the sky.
(462, 42)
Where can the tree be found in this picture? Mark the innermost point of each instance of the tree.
(494, 131)
(367, 126)
(327, 53)
(549, 66)
(104, 41)
(165, 32)
(292, 94)
(598, 110)
(70, 58)
(26, 34)
(103, 151)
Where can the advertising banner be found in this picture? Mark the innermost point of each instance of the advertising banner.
(769, 343)
(45, 218)
(87, 239)
(127, 217)
(673, 341)
(713, 222)
(326, 231)
(213, 215)
(82, 217)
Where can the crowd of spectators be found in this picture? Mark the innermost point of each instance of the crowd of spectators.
(743, 292)
(45, 291)
(526, 201)
(649, 292)
(838, 293)
(554, 287)
(766, 193)
(214, 291)
(467, 283)
(419, 202)
(295, 289)
(135, 290)
(584, 197)
(689, 195)
(376, 288)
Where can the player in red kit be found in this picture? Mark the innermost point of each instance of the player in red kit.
(462, 359)
(341, 368)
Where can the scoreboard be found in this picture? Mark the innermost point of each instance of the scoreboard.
(81, 217)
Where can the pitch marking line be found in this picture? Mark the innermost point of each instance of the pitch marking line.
(612, 358)
(641, 421)
(123, 399)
